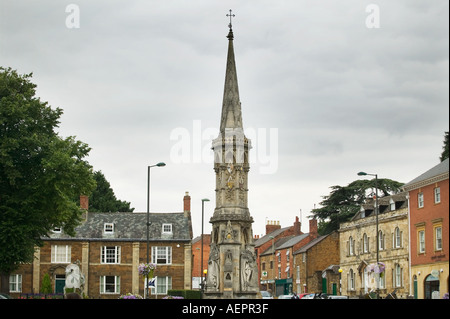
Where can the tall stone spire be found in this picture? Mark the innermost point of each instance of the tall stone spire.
(231, 105)
(232, 270)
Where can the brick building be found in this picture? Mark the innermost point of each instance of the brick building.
(108, 248)
(197, 270)
(429, 229)
(276, 266)
(316, 265)
(358, 249)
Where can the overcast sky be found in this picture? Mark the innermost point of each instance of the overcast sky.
(327, 90)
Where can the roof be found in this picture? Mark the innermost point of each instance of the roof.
(294, 240)
(384, 204)
(130, 227)
(438, 172)
(264, 239)
(283, 243)
(310, 244)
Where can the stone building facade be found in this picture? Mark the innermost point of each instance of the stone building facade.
(316, 265)
(358, 249)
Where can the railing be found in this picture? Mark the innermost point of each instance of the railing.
(41, 296)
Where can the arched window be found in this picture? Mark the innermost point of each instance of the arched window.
(365, 243)
(351, 246)
(380, 240)
(398, 276)
(397, 238)
(351, 280)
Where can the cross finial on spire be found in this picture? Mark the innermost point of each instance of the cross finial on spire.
(230, 15)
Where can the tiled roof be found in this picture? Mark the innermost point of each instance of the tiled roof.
(440, 169)
(130, 227)
(266, 238)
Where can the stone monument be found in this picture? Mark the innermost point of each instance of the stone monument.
(74, 278)
(232, 270)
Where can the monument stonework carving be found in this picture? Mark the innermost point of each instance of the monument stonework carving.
(232, 270)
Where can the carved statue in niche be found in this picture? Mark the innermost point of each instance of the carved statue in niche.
(248, 266)
(245, 231)
(228, 266)
(229, 234)
(215, 235)
(213, 268)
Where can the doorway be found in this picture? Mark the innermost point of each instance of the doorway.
(60, 283)
(431, 285)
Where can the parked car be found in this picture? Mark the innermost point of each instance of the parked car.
(5, 296)
(337, 297)
(285, 296)
(300, 296)
(315, 296)
(266, 294)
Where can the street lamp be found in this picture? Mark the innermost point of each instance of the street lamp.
(160, 164)
(376, 222)
(273, 264)
(201, 258)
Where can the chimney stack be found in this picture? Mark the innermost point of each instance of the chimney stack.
(187, 204)
(313, 228)
(84, 202)
(84, 206)
(297, 227)
(272, 225)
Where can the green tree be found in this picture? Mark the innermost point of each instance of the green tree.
(344, 201)
(40, 173)
(46, 285)
(444, 154)
(103, 199)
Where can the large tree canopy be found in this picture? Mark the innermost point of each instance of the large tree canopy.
(103, 198)
(345, 201)
(40, 172)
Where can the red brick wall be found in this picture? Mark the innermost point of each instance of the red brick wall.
(196, 254)
(429, 213)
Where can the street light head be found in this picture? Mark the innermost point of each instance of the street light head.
(160, 164)
(362, 174)
(205, 200)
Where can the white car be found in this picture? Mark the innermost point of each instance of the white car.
(285, 296)
(266, 294)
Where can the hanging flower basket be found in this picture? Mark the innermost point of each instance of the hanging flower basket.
(146, 270)
(378, 269)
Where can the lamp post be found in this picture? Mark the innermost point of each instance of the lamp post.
(201, 254)
(376, 223)
(273, 264)
(160, 164)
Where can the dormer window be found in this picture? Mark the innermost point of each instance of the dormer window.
(167, 228)
(392, 204)
(57, 230)
(108, 228)
(362, 211)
